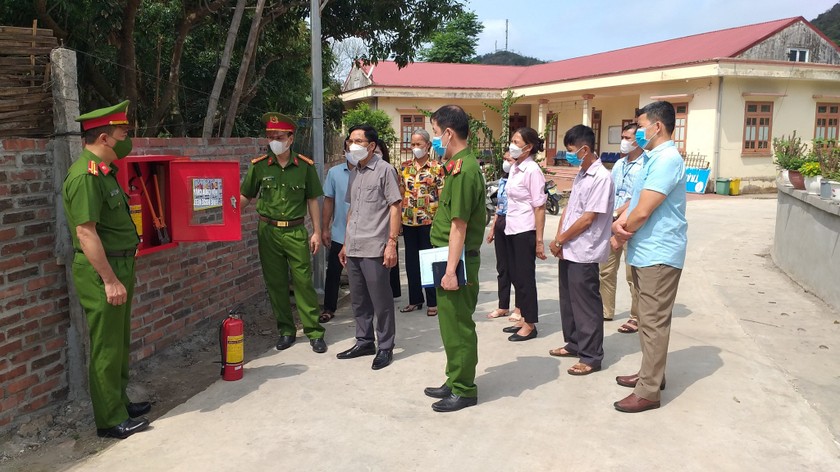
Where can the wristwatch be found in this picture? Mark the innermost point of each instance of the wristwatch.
(615, 215)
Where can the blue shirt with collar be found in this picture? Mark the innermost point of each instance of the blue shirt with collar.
(664, 236)
(624, 174)
(335, 187)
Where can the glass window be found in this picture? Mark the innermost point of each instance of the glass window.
(758, 124)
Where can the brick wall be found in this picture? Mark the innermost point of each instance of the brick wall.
(33, 295)
(176, 288)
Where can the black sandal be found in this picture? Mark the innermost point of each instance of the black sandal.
(325, 317)
(410, 308)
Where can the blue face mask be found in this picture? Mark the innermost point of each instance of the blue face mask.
(573, 159)
(438, 146)
(641, 139)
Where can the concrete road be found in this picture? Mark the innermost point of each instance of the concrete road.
(752, 385)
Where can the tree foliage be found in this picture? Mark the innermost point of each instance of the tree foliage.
(363, 114)
(829, 23)
(457, 41)
(164, 55)
(507, 58)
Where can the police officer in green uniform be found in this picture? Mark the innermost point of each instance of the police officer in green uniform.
(286, 184)
(458, 224)
(105, 241)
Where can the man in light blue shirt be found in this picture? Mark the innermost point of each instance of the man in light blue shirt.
(623, 175)
(655, 229)
(332, 233)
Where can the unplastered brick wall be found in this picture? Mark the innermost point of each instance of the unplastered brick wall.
(33, 290)
(176, 288)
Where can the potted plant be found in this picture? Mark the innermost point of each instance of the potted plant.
(810, 170)
(828, 154)
(789, 156)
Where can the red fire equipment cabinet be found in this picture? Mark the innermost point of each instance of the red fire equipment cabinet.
(173, 199)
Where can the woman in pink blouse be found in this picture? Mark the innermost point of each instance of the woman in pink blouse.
(524, 224)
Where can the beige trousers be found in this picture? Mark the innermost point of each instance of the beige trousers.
(609, 278)
(657, 289)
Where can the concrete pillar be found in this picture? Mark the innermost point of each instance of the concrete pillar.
(587, 112)
(542, 111)
(66, 146)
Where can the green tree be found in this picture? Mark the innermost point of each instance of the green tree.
(164, 55)
(457, 41)
(363, 114)
(829, 23)
(507, 58)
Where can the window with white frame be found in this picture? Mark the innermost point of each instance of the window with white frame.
(798, 55)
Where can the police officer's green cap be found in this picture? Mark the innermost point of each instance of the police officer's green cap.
(278, 122)
(113, 115)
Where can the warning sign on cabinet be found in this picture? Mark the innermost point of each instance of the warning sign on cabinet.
(207, 194)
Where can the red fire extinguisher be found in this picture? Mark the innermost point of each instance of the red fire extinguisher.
(135, 206)
(232, 344)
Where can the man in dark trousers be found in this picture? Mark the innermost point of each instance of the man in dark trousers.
(459, 225)
(370, 247)
(287, 185)
(105, 241)
(582, 243)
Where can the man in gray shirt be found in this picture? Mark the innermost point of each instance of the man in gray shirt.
(370, 246)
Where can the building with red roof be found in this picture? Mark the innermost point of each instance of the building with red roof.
(734, 91)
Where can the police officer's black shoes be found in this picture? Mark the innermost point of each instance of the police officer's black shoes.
(454, 403)
(285, 342)
(438, 392)
(124, 429)
(318, 345)
(357, 351)
(383, 359)
(138, 409)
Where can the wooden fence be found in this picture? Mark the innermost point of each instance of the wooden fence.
(25, 95)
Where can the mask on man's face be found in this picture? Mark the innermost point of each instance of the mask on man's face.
(278, 147)
(641, 137)
(626, 146)
(357, 154)
(121, 148)
(573, 159)
(437, 145)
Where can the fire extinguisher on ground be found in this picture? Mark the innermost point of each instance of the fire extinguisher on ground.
(232, 345)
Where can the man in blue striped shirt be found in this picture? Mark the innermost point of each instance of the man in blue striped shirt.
(623, 174)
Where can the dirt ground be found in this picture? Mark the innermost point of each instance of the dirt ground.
(67, 435)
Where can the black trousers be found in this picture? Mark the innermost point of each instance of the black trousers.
(417, 238)
(333, 277)
(394, 278)
(581, 311)
(522, 265)
(501, 243)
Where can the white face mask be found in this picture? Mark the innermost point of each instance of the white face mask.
(515, 151)
(277, 147)
(357, 153)
(506, 167)
(419, 152)
(626, 146)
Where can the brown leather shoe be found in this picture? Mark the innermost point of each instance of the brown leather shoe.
(630, 381)
(635, 404)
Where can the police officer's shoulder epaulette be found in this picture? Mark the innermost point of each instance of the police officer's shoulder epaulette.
(306, 159)
(92, 169)
(258, 159)
(453, 167)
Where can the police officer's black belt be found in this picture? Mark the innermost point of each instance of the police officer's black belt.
(282, 224)
(473, 253)
(126, 253)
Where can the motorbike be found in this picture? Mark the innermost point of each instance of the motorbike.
(491, 199)
(552, 204)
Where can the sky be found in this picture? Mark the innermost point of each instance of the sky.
(553, 30)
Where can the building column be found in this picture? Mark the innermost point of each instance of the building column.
(542, 111)
(587, 116)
